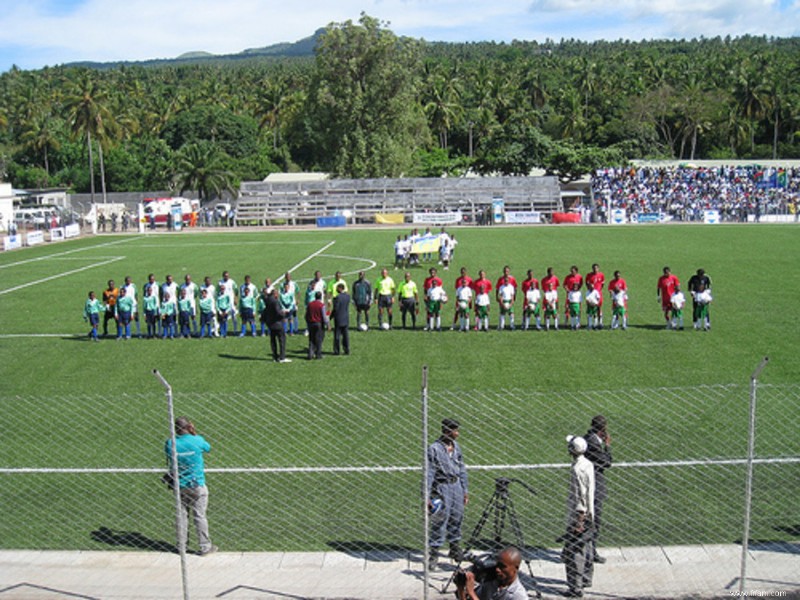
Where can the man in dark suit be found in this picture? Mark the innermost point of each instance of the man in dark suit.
(274, 317)
(341, 320)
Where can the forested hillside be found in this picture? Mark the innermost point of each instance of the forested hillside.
(371, 104)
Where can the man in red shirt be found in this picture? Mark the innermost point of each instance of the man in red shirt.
(482, 286)
(550, 282)
(315, 320)
(664, 290)
(595, 280)
(511, 279)
(463, 280)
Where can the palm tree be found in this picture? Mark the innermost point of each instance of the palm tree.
(89, 115)
(38, 135)
(200, 166)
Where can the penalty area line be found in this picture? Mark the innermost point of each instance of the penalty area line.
(305, 260)
(51, 278)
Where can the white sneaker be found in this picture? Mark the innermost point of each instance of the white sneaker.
(285, 360)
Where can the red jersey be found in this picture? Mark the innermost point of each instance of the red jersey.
(595, 281)
(465, 281)
(482, 286)
(666, 287)
(315, 312)
(617, 285)
(570, 281)
(511, 279)
(550, 283)
(530, 284)
(431, 282)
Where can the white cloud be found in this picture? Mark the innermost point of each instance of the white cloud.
(33, 34)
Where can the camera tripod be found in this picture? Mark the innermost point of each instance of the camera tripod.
(500, 508)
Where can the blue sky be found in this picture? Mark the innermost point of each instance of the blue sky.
(35, 33)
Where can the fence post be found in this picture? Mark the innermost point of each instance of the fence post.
(425, 492)
(748, 494)
(179, 526)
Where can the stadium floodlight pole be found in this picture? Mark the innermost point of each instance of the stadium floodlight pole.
(179, 525)
(425, 492)
(751, 450)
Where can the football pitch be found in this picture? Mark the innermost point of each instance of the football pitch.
(48, 367)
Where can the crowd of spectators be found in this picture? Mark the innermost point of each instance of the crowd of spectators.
(685, 192)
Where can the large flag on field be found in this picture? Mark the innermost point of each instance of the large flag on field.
(428, 243)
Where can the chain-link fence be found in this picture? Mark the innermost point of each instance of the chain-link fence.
(320, 471)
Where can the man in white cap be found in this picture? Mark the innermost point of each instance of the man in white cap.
(577, 553)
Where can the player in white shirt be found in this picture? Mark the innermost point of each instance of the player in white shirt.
(678, 301)
(593, 319)
(506, 294)
(130, 292)
(444, 254)
(231, 290)
(211, 292)
(551, 308)
(702, 298)
(170, 287)
(532, 298)
(192, 293)
(482, 303)
(436, 297)
(464, 297)
(574, 297)
(248, 283)
(619, 310)
(399, 253)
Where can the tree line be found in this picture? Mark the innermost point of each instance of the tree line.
(369, 103)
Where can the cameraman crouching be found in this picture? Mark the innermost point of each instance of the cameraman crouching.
(504, 586)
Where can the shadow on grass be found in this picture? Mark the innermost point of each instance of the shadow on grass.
(238, 357)
(131, 539)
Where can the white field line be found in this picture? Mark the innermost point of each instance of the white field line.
(64, 274)
(215, 244)
(40, 335)
(305, 260)
(396, 469)
(59, 254)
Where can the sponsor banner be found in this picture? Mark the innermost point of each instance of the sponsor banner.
(498, 208)
(34, 237)
(618, 216)
(57, 234)
(773, 219)
(651, 217)
(72, 230)
(438, 218)
(711, 217)
(426, 244)
(531, 216)
(389, 218)
(12, 242)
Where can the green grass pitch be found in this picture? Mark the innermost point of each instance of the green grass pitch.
(47, 364)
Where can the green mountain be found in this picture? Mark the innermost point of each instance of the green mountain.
(301, 48)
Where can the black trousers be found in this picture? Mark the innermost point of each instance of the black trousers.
(277, 341)
(316, 334)
(341, 334)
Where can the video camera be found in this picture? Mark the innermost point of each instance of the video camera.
(483, 567)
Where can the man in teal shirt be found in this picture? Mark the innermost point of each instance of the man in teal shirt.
(190, 448)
